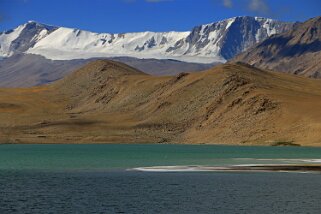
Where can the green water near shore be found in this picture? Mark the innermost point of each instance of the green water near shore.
(124, 156)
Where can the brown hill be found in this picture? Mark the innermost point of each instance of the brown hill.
(297, 51)
(109, 102)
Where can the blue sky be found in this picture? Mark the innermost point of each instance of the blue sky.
(117, 16)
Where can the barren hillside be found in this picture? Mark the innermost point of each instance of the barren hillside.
(110, 102)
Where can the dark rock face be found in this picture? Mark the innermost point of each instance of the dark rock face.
(148, 44)
(28, 36)
(240, 36)
(164, 41)
(177, 46)
(151, 43)
(247, 31)
(297, 51)
(232, 36)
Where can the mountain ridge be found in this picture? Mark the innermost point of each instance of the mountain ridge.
(203, 44)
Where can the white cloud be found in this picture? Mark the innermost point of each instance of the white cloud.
(259, 6)
(228, 3)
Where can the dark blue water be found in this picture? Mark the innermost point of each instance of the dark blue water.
(94, 179)
(139, 192)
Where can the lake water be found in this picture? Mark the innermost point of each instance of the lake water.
(98, 179)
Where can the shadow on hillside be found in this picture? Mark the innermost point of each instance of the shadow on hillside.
(288, 50)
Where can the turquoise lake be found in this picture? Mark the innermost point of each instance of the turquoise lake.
(123, 156)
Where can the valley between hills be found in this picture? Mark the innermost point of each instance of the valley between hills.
(110, 102)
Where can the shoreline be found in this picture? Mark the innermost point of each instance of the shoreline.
(155, 143)
(299, 168)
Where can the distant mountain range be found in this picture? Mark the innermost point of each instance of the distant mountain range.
(297, 51)
(25, 70)
(210, 43)
(35, 54)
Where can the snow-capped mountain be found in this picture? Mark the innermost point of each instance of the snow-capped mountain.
(215, 42)
(22, 38)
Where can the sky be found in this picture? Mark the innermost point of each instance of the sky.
(119, 16)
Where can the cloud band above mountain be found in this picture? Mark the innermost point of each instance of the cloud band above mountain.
(257, 6)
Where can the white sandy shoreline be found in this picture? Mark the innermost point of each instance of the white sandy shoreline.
(305, 168)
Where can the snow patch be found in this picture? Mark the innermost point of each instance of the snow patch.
(7, 38)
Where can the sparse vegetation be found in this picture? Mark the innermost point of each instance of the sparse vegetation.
(227, 104)
(284, 143)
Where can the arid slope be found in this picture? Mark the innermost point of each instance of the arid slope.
(109, 102)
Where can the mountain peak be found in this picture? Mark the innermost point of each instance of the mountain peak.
(36, 23)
